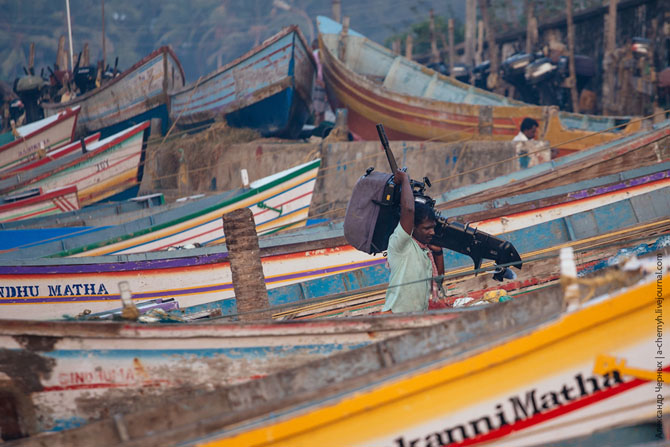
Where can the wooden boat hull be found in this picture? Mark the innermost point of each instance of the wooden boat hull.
(416, 103)
(93, 365)
(646, 149)
(543, 384)
(51, 156)
(268, 89)
(279, 202)
(54, 202)
(43, 135)
(518, 374)
(108, 168)
(136, 95)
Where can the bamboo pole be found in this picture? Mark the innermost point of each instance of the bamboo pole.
(104, 50)
(69, 32)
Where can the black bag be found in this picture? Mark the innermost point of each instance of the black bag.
(371, 216)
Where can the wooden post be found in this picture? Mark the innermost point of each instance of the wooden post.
(608, 61)
(85, 59)
(395, 46)
(61, 56)
(529, 25)
(480, 42)
(337, 10)
(492, 82)
(452, 53)
(434, 54)
(470, 30)
(342, 42)
(572, 82)
(408, 46)
(245, 264)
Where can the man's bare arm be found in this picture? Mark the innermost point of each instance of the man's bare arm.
(406, 201)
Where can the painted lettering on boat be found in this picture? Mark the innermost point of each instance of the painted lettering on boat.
(53, 290)
(102, 376)
(27, 150)
(514, 410)
(102, 165)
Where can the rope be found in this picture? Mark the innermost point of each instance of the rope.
(529, 258)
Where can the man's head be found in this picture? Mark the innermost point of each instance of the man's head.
(529, 127)
(424, 222)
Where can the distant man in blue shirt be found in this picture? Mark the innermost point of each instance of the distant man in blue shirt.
(413, 261)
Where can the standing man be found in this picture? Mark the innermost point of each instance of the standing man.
(528, 130)
(413, 261)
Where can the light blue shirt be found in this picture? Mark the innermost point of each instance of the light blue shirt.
(409, 263)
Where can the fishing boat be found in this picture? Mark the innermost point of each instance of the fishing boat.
(55, 154)
(268, 89)
(102, 214)
(31, 140)
(97, 366)
(417, 103)
(644, 149)
(296, 268)
(279, 202)
(136, 95)
(108, 168)
(542, 368)
(33, 203)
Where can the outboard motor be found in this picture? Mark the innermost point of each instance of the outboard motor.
(30, 89)
(480, 73)
(641, 47)
(16, 110)
(439, 67)
(513, 71)
(84, 78)
(543, 75)
(461, 72)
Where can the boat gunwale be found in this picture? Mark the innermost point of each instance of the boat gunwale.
(268, 42)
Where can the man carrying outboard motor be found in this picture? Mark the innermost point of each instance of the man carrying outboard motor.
(411, 256)
(391, 212)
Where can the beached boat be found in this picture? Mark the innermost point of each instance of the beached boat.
(55, 154)
(315, 264)
(643, 149)
(648, 148)
(138, 94)
(523, 373)
(39, 137)
(96, 366)
(268, 89)
(279, 202)
(108, 168)
(33, 203)
(416, 103)
(102, 214)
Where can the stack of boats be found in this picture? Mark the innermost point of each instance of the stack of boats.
(568, 357)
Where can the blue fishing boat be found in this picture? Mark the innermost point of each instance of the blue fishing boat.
(268, 89)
